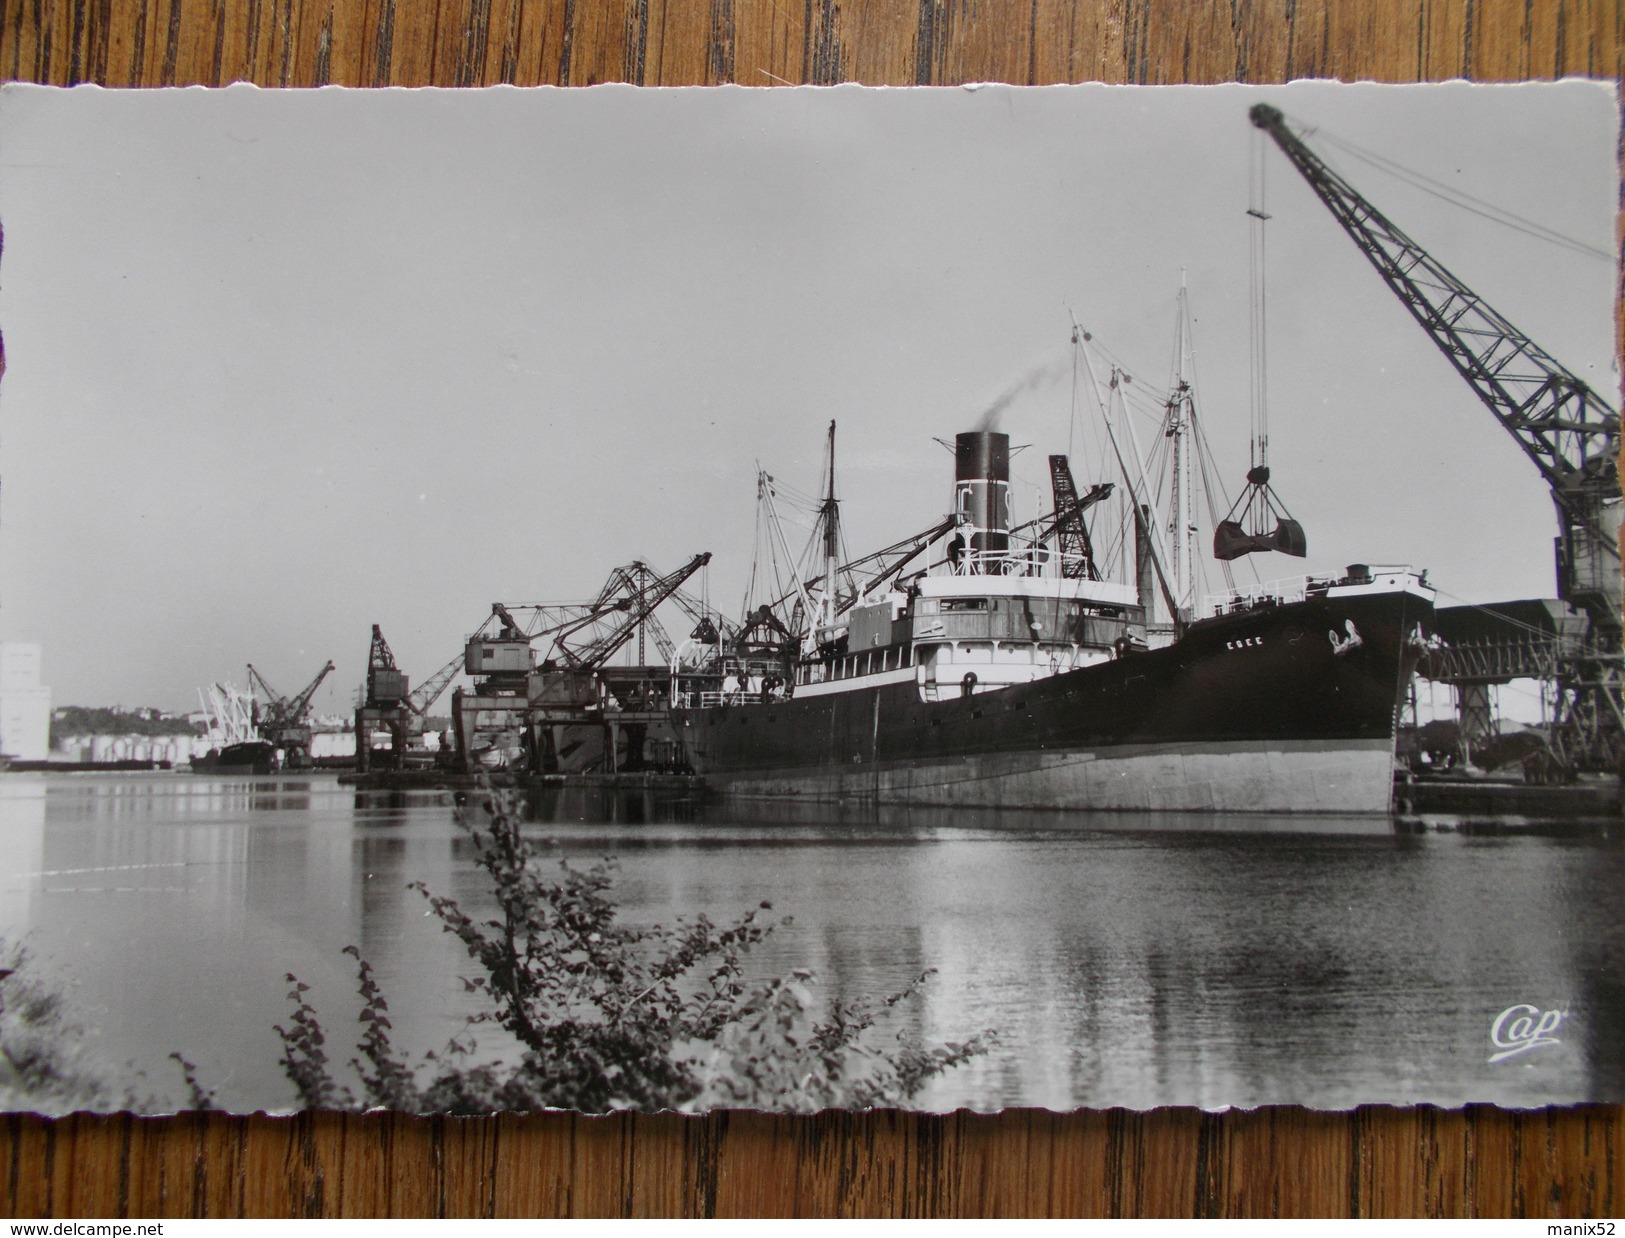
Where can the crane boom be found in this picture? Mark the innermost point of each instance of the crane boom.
(287, 711)
(1568, 431)
(643, 592)
(257, 681)
(428, 692)
(1071, 534)
(295, 711)
(283, 722)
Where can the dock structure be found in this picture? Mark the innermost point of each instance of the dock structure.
(1491, 799)
(544, 699)
(553, 723)
(396, 713)
(1486, 645)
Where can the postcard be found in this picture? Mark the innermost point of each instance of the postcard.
(800, 598)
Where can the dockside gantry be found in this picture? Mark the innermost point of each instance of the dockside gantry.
(567, 710)
(400, 713)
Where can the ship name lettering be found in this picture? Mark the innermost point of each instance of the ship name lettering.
(1245, 642)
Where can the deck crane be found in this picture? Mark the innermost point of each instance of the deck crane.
(882, 569)
(282, 721)
(1569, 432)
(1070, 532)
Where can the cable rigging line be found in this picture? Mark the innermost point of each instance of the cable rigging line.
(1459, 198)
(1257, 214)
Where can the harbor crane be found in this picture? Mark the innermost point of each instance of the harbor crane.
(624, 606)
(283, 721)
(581, 636)
(710, 627)
(1565, 428)
(401, 712)
(517, 693)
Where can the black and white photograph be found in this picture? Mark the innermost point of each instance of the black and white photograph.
(789, 599)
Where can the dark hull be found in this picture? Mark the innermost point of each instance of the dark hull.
(253, 757)
(1256, 711)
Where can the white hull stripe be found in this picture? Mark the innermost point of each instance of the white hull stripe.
(830, 687)
(1308, 777)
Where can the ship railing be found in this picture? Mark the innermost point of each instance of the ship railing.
(1297, 588)
(812, 672)
(1018, 561)
(1265, 593)
(701, 700)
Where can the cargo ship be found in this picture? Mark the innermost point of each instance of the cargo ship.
(1007, 673)
(253, 756)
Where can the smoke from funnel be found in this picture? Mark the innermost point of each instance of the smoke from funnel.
(1029, 381)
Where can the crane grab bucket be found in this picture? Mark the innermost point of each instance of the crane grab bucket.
(1243, 531)
(1231, 541)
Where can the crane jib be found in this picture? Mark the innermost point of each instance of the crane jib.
(1571, 435)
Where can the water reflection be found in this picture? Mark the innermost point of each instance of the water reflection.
(22, 850)
(617, 806)
(1122, 959)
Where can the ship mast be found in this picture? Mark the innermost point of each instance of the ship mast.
(829, 521)
(1180, 422)
(1137, 479)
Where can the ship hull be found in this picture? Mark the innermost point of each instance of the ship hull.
(1283, 709)
(251, 757)
(1311, 776)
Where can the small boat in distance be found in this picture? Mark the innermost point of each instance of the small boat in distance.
(254, 756)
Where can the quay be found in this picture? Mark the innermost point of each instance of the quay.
(1493, 797)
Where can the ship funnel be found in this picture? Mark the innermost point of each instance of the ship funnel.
(982, 494)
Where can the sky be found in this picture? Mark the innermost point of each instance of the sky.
(285, 364)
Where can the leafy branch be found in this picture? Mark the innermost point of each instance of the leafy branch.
(605, 1015)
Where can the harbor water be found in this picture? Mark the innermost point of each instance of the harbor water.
(1119, 960)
